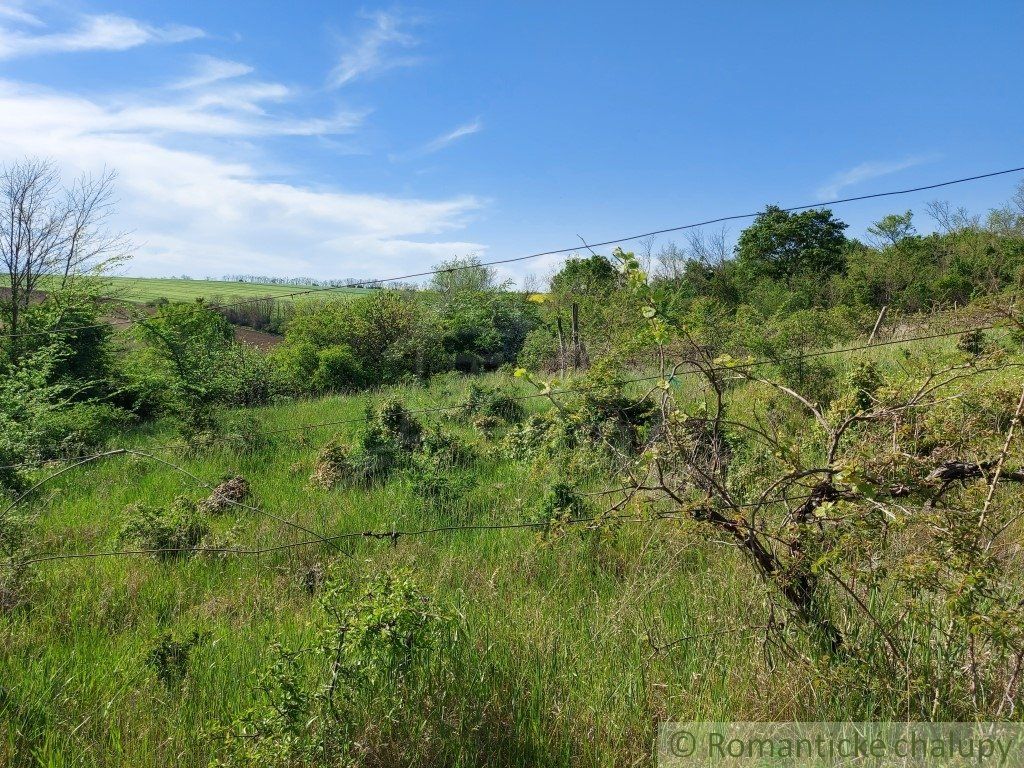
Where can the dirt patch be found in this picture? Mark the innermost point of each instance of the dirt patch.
(264, 341)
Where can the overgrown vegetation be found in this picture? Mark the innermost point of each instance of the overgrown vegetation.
(690, 502)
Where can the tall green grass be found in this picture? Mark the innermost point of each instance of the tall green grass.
(556, 654)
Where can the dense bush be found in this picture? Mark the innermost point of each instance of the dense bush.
(391, 440)
(171, 531)
(593, 422)
(184, 361)
(43, 415)
(342, 344)
(374, 641)
(57, 394)
(387, 442)
(345, 344)
(495, 403)
(485, 329)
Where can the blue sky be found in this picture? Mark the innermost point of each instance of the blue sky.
(336, 139)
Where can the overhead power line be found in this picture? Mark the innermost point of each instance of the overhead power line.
(553, 252)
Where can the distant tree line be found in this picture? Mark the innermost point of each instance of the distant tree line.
(345, 282)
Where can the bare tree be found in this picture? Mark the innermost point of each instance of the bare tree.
(671, 262)
(645, 252)
(531, 283)
(951, 220)
(709, 248)
(51, 234)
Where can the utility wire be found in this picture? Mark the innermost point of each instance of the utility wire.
(176, 468)
(554, 252)
(548, 393)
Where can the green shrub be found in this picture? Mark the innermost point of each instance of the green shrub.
(185, 362)
(171, 531)
(375, 643)
(496, 402)
(374, 340)
(561, 505)
(80, 427)
(533, 437)
(244, 377)
(540, 349)
(393, 439)
(447, 449)
(395, 423)
(972, 343)
(337, 370)
(169, 657)
(28, 403)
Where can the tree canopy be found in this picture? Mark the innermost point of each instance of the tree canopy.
(784, 245)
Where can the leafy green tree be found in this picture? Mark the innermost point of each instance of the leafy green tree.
(594, 276)
(483, 324)
(891, 229)
(187, 337)
(460, 275)
(185, 361)
(782, 245)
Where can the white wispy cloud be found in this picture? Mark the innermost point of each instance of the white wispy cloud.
(190, 155)
(866, 172)
(210, 69)
(452, 136)
(15, 11)
(376, 50)
(199, 209)
(104, 32)
(440, 142)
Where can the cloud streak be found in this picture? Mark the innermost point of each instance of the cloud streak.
(210, 69)
(452, 136)
(376, 50)
(105, 32)
(15, 11)
(866, 172)
(439, 143)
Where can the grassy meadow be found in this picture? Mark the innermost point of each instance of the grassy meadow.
(143, 289)
(565, 651)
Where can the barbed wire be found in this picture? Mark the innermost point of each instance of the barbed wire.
(394, 534)
(209, 486)
(540, 254)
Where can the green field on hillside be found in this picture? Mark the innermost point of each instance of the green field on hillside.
(174, 289)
